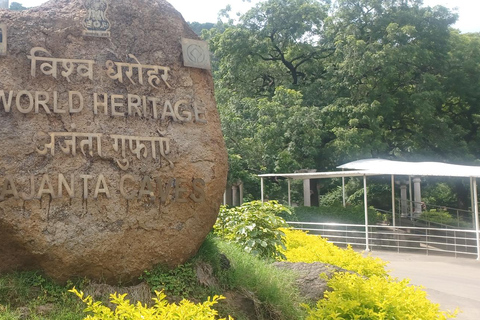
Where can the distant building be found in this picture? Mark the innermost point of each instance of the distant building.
(3, 4)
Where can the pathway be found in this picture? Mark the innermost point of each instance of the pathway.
(451, 282)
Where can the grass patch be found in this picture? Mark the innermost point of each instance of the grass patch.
(29, 295)
(274, 288)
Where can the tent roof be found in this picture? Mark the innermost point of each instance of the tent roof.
(318, 175)
(373, 167)
(381, 166)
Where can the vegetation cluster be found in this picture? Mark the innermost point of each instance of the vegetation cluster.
(336, 213)
(312, 84)
(364, 291)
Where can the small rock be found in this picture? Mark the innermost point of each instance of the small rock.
(45, 309)
(309, 282)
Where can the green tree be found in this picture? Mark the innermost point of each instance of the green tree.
(198, 27)
(17, 6)
(387, 81)
(462, 97)
(302, 84)
(272, 45)
(275, 134)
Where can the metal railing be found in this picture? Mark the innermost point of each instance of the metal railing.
(461, 216)
(441, 241)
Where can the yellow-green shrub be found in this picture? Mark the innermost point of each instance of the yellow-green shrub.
(376, 298)
(185, 310)
(302, 247)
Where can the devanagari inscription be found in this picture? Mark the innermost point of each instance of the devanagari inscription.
(49, 65)
(115, 72)
(137, 146)
(70, 143)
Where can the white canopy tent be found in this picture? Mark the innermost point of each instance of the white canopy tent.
(390, 167)
(376, 167)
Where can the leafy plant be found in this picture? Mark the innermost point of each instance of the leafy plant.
(177, 282)
(302, 247)
(255, 226)
(338, 213)
(442, 217)
(355, 297)
(185, 310)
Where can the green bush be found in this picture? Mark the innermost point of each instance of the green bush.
(338, 214)
(442, 217)
(254, 226)
(179, 282)
(185, 310)
(375, 298)
(434, 192)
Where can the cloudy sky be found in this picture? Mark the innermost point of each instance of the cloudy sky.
(206, 11)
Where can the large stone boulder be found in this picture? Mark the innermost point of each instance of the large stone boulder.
(112, 158)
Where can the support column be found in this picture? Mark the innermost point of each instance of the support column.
(472, 197)
(261, 188)
(403, 201)
(367, 244)
(289, 192)
(411, 197)
(417, 194)
(477, 223)
(306, 193)
(343, 192)
(393, 199)
(234, 195)
(240, 187)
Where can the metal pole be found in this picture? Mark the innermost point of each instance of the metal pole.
(225, 198)
(472, 200)
(261, 187)
(343, 191)
(477, 226)
(393, 199)
(367, 247)
(410, 194)
(289, 194)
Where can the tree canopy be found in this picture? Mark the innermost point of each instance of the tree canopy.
(17, 6)
(312, 84)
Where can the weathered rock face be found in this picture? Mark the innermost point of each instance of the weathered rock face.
(111, 153)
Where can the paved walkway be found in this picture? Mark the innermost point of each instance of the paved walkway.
(451, 282)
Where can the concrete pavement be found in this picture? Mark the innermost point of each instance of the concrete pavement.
(450, 282)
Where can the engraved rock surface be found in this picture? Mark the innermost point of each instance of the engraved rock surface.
(112, 158)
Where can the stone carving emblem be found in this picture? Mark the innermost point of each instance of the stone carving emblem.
(3, 39)
(195, 54)
(96, 23)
